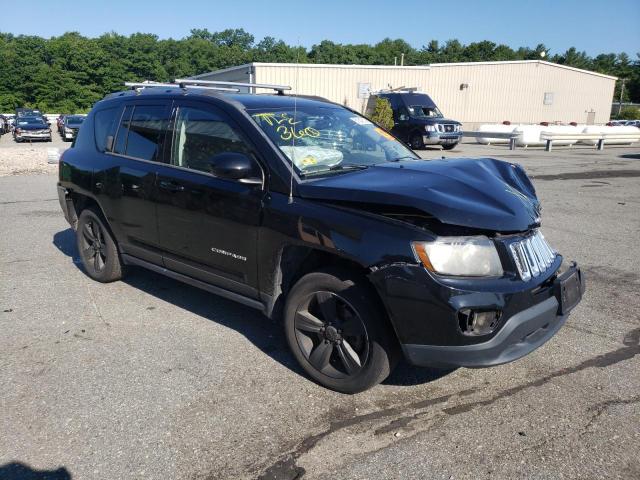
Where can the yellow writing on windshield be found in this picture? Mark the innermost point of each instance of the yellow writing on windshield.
(273, 118)
(285, 125)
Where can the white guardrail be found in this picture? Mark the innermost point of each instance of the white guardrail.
(599, 138)
(548, 136)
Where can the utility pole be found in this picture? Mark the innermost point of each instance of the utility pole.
(621, 92)
(401, 59)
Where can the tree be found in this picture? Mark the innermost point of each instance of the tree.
(70, 72)
(629, 113)
(382, 113)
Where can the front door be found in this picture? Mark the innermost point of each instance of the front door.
(208, 226)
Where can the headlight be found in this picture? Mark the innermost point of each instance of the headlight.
(460, 256)
(430, 128)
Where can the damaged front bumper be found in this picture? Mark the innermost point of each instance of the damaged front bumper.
(426, 317)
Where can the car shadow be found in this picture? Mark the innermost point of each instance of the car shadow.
(266, 334)
(21, 471)
(633, 156)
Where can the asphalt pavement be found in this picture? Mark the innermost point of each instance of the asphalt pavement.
(150, 378)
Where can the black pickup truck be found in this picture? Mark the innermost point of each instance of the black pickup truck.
(418, 121)
(309, 212)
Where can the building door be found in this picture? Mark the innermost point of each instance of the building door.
(591, 117)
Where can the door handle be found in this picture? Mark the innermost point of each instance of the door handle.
(171, 186)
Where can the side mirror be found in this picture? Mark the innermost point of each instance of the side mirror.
(233, 166)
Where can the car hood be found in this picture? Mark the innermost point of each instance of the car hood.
(434, 121)
(33, 127)
(486, 194)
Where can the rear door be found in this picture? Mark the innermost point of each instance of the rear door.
(208, 226)
(125, 186)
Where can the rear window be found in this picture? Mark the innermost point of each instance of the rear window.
(105, 122)
(142, 132)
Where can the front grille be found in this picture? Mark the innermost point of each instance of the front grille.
(532, 255)
(446, 127)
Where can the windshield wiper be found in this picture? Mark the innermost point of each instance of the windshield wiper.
(336, 168)
(406, 157)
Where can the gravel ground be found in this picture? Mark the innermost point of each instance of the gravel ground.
(149, 378)
(28, 158)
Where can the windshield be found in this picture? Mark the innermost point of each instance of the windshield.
(422, 111)
(75, 120)
(319, 140)
(30, 121)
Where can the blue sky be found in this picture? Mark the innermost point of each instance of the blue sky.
(593, 26)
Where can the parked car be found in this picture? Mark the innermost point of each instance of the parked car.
(60, 124)
(418, 121)
(31, 128)
(309, 212)
(632, 123)
(71, 125)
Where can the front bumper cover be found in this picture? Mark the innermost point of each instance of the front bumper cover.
(520, 335)
(435, 138)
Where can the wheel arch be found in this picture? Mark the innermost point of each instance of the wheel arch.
(295, 261)
(80, 202)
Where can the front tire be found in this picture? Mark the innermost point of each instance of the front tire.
(416, 141)
(98, 250)
(449, 146)
(337, 332)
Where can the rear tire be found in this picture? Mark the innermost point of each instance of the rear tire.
(97, 247)
(335, 327)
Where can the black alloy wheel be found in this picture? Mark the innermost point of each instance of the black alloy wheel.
(337, 330)
(331, 335)
(92, 245)
(98, 250)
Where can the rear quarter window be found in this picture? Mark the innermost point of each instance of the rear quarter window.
(105, 122)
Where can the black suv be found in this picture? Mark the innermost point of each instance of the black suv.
(309, 212)
(418, 121)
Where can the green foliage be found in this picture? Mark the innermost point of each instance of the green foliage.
(382, 113)
(71, 72)
(629, 113)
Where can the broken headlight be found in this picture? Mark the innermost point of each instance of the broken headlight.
(461, 256)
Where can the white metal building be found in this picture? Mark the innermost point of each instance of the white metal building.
(524, 91)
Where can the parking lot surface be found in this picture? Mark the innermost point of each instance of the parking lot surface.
(150, 378)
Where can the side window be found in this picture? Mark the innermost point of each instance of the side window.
(142, 132)
(402, 114)
(104, 127)
(199, 135)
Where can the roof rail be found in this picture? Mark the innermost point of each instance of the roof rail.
(278, 88)
(137, 85)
